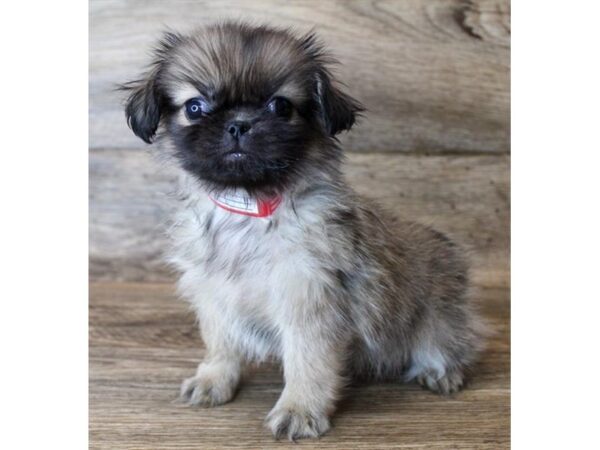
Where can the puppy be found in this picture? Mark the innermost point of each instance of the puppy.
(278, 256)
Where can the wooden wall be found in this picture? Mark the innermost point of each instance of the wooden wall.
(434, 145)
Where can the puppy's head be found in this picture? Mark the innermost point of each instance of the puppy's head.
(242, 106)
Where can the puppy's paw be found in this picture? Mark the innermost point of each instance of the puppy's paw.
(450, 383)
(205, 391)
(296, 422)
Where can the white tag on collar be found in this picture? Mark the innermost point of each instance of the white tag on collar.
(242, 203)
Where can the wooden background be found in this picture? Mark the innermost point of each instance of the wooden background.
(434, 146)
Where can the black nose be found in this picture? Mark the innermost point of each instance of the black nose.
(237, 128)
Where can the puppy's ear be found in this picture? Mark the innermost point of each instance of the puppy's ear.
(338, 110)
(143, 107)
(145, 102)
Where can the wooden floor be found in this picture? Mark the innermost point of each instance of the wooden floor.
(143, 342)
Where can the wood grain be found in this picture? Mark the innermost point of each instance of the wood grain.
(143, 342)
(434, 74)
(467, 197)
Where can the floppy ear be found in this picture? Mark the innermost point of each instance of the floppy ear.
(145, 101)
(143, 106)
(337, 109)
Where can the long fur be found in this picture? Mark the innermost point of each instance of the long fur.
(331, 285)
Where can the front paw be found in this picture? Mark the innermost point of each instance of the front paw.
(296, 422)
(206, 391)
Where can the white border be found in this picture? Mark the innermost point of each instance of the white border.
(43, 247)
(555, 225)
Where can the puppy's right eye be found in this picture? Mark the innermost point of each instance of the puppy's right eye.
(196, 108)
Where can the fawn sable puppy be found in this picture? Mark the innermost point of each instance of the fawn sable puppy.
(278, 256)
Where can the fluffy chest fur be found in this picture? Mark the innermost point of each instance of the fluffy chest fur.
(252, 273)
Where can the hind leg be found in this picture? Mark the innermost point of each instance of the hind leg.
(433, 370)
(449, 383)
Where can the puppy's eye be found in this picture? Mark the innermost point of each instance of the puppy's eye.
(280, 106)
(196, 108)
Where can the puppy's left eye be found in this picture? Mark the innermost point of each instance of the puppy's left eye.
(280, 106)
(196, 108)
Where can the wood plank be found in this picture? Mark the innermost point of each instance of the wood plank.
(434, 74)
(143, 342)
(465, 196)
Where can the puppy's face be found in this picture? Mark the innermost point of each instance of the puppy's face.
(241, 106)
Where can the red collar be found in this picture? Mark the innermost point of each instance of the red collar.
(242, 203)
